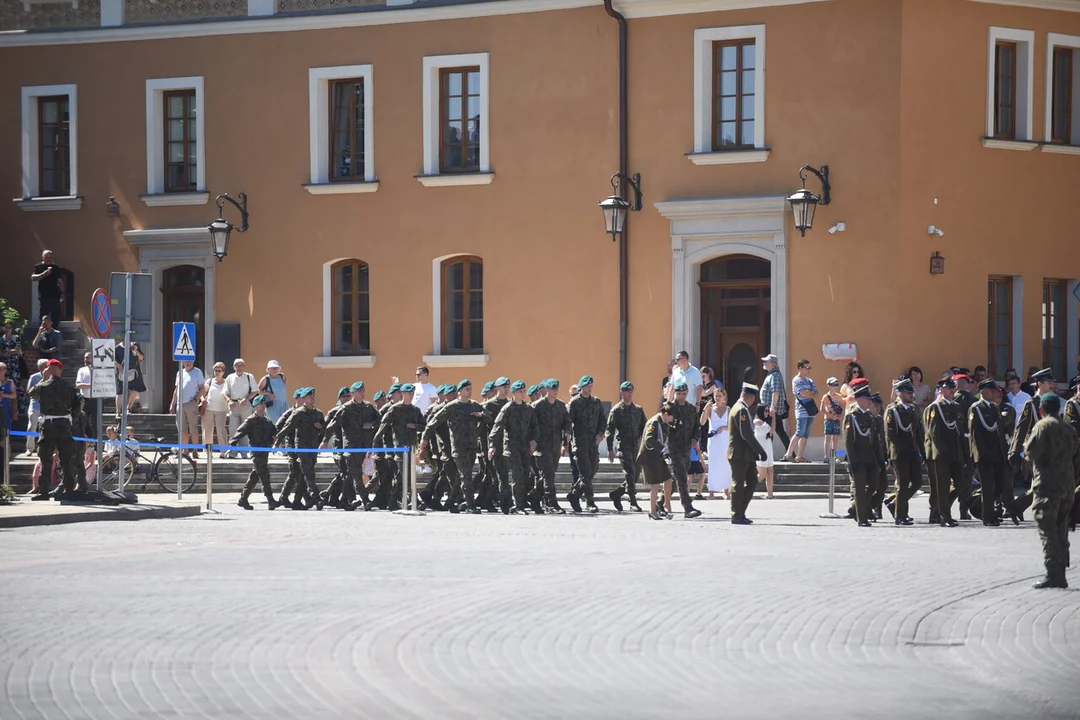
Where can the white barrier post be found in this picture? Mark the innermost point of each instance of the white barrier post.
(210, 480)
(832, 487)
(408, 484)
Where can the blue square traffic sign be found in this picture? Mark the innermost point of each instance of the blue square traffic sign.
(183, 334)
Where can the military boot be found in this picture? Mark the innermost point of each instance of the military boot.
(574, 501)
(553, 506)
(935, 516)
(1052, 580)
(616, 498)
(243, 501)
(298, 503)
(634, 504)
(271, 503)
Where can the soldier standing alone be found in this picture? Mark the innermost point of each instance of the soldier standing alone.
(587, 421)
(625, 425)
(742, 452)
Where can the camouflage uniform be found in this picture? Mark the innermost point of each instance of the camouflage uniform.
(395, 432)
(587, 423)
(259, 431)
(552, 425)
(57, 398)
(306, 425)
(438, 453)
(288, 441)
(512, 432)
(461, 418)
(625, 426)
(334, 439)
(496, 471)
(358, 421)
(1052, 448)
(682, 436)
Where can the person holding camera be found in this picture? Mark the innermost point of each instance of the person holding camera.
(48, 341)
(50, 286)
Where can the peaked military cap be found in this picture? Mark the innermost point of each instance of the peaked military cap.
(746, 388)
(488, 387)
(342, 392)
(682, 387)
(864, 391)
(464, 384)
(585, 380)
(408, 388)
(518, 385)
(1045, 375)
(960, 376)
(502, 381)
(533, 389)
(393, 389)
(627, 386)
(988, 384)
(947, 383)
(380, 395)
(258, 400)
(876, 398)
(904, 385)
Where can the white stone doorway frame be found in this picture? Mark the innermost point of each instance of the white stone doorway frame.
(158, 251)
(702, 230)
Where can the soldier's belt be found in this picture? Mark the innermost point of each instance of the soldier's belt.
(56, 417)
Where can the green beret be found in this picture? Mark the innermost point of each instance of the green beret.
(585, 380)
(488, 387)
(408, 388)
(380, 395)
(343, 391)
(502, 381)
(358, 385)
(258, 400)
(393, 389)
(442, 389)
(551, 384)
(464, 384)
(627, 387)
(296, 393)
(518, 385)
(533, 389)
(305, 392)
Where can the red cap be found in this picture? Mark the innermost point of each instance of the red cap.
(858, 381)
(55, 363)
(960, 376)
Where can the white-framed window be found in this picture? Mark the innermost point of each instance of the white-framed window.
(50, 148)
(346, 316)
(457, 312)
(1010, 99)
(729, 95)
(175, 142)
(341, 130)
(1062, 121)
(456, 121)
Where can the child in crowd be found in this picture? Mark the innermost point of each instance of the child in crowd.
(54, 478)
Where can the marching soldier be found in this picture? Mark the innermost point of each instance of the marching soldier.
(385, 463)
(514, 435)
(904, 437)
(625, 425)
(332, 494)
(462, 418)
(439, 454)
(552, 427)
(683, 436)
(742, 453)
(399, 427)
(879, 479)
(944, 440)
(989, 450)
(864, 461)
(587, 423)
(496, 486)
(357, 421)
(1029, 415)
(259, 431)
(57, 398)
(379, 400)
(1052, 449)
(288, 441)
(652, 458)
(307, 422)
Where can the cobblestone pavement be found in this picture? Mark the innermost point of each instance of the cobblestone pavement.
(327, 615)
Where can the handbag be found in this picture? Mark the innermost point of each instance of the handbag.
(809, 405)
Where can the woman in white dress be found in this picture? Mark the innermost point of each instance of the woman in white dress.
(715, 414)
(764, 426)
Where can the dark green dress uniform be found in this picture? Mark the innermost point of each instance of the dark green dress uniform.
(512, 433)
(905, 440)
(307, 426)
(863, 456)
(965, 400)
(552, 425)
(80, 427)
(682, 436)
(462, 418)
(587, 423)
(358, 421)
(625, 426)
(400, 427)
(743, 452)
(880, 479)
(57, 398)
(1052, 448)
(1072, 413)
(260, 432)
(945, 441)
(989, 452)
(652, 451)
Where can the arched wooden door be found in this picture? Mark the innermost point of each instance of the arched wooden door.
(183, 295)
(736, 317)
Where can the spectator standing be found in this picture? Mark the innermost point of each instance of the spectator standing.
(190, 387)
(774, 396)
(136, 384)
(48, 340)
(764, 424)
(666, 382)
(425, 393)
(1029, 385)
(805, 393)
(852, 371)
(922, 390)
(832, 406)
(715, 417)
(34, 407)
(9, 408)
(684, 372)
(50, 286)
(82, 379)
(217, 409)
(273, 387)
(240, 389)
(1017, 397)
(11, 355)
(978, 375)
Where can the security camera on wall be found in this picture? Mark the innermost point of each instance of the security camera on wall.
(934, 230)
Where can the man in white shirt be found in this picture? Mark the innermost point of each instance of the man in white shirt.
(82, 380)
(190, 386)
(240, 388)
(34, 409)
(1017, 397)
(425, 392)
(687, 373)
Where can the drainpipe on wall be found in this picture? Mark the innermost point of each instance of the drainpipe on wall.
(624, 156)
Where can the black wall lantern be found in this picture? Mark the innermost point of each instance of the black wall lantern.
(112, 208)
(615, 207)
(937, 264)
(804, 203)
(221, 228)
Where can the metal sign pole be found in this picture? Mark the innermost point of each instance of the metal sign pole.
(100, 443)
(7, 458)
(180, 430)
(832, 487)
(123, 410)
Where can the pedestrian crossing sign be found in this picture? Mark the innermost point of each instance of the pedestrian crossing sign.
(183, 341)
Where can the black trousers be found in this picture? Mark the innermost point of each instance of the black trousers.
(782, 434)
(992, 475)
(908, 474)
(49, 306)
(946, 472)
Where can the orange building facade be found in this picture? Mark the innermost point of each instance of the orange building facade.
(423, 179)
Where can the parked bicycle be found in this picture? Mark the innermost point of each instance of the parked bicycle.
(162, 468)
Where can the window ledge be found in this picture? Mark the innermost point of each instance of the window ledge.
(342, 188)
(1061, 148)
(456, 361)
(988, 142)
(456, 179)
(344, 362)
(729, 157)
(38, 204)
(174, 199)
